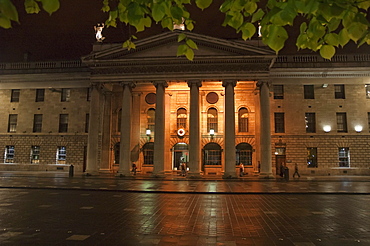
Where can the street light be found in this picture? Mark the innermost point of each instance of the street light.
(211, 132)
(148, 133)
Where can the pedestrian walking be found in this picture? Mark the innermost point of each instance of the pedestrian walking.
(296, 171)
(241, 168)
(183, 169)
(134, 168)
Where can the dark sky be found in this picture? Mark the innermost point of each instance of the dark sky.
(69, 33)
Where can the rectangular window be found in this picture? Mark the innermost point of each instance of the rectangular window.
(87, 118)
(65, 96)
(40, 94)
(278, 91)
(61, 155)
(343, 154)
(341, 122)
(35, 154)
(148, 156)
(12, 123)
(309, 92)
(312, 157)
(279, 123)
(9, 154)
(367, 91)
(37, 123)
(243, 124)
(63, 123)
(339, 92)
(15, 95)
(310, 120)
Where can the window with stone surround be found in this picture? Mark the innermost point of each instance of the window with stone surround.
(312, 157)
(9, 154)
(151, 120)
(212, 120)
(148, 153)
(343, 155)
(309, 92)
(181, 118)
(61, 155)
(65, 95)
(14, 97)
(37, 122)
(244, 154)
(12, 123)
(279, 122)
(278, 91)
(35, 154)
(339, 92)
(342, 122)
(212, 154)
(243, 120)
(63, 123)
(310, 121)
(40, 95)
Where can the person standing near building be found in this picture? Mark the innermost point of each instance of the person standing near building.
(183, 166)
(241, 167)
(296, 171)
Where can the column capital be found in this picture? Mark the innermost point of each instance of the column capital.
(130, 84)
(231, 82)
(259, 83)
(196, 82)
(157, 83)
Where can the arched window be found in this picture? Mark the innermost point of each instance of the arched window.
(212, 121)
(119, 120)
(148, 152)
(151, 119)
(181, 118)
(212, 154)
(243, 120)
(244, 154)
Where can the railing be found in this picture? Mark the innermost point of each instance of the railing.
(317, 58)
(41, 65)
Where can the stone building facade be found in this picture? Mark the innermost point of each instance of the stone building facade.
(237, 102)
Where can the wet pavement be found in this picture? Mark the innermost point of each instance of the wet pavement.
(54, 209)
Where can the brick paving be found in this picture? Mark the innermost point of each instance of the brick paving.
(57, 210)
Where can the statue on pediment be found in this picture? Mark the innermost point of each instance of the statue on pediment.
(98, 32)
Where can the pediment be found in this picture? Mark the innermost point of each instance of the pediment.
(165, 45)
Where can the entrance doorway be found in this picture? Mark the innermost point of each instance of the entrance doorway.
(280, 159)
(179, 150)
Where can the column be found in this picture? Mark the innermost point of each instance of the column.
(229, 130)
(106, 133)
(93, 136)
(194, 134)
(266, 168)
(159, 128)
(125, 138)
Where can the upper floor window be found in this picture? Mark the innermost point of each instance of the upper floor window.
(243, 120)
(40, 95)
(37, 123)
(309, 92)
(12, 123)
(63, 123)
(278, 91)
(310, 120)
(181, 118)
(367, 91)
(279, 123)
(151, 119)
(341, 122)
(9, 154)
(339, 92)
(66, 95)
(14, 97)
(212, 119)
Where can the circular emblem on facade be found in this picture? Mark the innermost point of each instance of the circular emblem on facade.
(212, 97)
(150, 98)
(181, 132)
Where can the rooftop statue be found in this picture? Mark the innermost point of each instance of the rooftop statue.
(98, 32)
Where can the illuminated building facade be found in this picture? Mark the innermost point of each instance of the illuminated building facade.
(237, 102)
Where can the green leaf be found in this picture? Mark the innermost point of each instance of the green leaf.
(226, 6)
(158, 12)
(250, 7)
(202, 4)
(5, 22)
(167, 23)
(276, 37)
(50, 6)
(181, 37)
(258, 15)
(191, 44)
(190, 26)
(356, 31)
(182, 49)
(343, 37)
(333, 24)
(327, 51)
(176, 12)
(189, 54)
(236, 20)
(248, 30)
(332, 39)
(303, 27)
(31, 7)
(364, 4)
(8, 10)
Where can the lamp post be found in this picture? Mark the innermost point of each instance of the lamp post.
(211, 132)
(148, 133)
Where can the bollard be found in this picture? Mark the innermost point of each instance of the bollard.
(71, 167)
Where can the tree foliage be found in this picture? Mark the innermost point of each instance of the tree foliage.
(324, 24)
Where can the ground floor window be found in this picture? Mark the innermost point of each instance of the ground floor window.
(343, 154)
(35, 154)
(244, 154)
(180, 154)
(212, 154)
(116, 150)
(9, 154)
(148, 152)
(311, 157)
(61, 155)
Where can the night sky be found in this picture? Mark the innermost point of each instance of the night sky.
(69, 33)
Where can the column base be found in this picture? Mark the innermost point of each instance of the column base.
(123, 174)
(193, 175)
(231, 175)
(91, 173)
(266, 176)
(160, 175)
